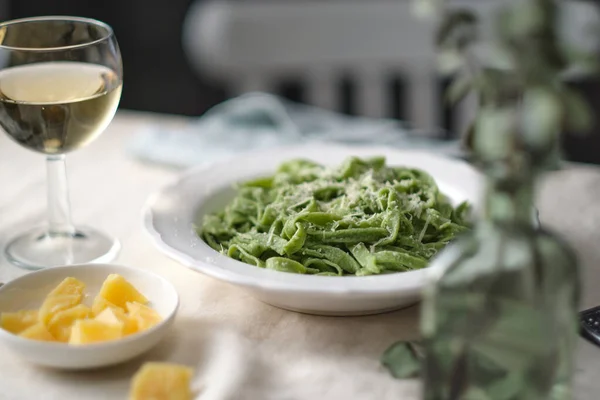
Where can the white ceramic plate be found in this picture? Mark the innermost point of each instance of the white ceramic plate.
(169, 218)
(28, 292)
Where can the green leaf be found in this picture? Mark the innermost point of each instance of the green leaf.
(582, 61)
(459, 88)
(427, 8)
(523, 19)
(499, 58)
(458, 29)
(449, 61)
(542, 116)
(498, 86)
(578, 113)
(403, 360)
(494, 127)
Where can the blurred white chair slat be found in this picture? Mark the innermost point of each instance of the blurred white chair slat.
(371, 92)
(251, 45)
(321, 88)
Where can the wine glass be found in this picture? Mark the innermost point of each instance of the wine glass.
(60, 85)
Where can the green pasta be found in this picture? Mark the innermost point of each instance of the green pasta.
(362, 218)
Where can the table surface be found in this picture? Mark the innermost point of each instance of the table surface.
(240, 347)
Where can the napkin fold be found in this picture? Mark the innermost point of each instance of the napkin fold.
(234, 367)
(260, 120)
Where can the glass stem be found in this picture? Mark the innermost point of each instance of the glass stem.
(59, 206)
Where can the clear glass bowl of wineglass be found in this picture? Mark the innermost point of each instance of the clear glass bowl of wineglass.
(60, 85)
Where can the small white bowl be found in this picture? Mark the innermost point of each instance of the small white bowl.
(28, 292)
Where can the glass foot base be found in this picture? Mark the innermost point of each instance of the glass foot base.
(37, 249)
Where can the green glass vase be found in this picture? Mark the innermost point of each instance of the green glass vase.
(499, 315)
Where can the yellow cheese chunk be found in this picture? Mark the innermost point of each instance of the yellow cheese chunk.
(17, 322)
(56, 304)
(67, 294)
(115, 315)
(100, 304)
(61, 323)
(86, 331)
(38, 332)
(118, 291)
(161, 381)
(69, 285)
(144, 316)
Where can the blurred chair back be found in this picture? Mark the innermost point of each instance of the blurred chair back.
(254, 44)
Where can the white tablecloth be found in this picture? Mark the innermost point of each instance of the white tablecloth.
(240, 347)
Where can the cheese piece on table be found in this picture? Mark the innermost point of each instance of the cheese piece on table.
(118, 291)
(161, 381)
(17, 322)
(86, 331)
(115, 315)
(38, 332)
(144, 316)
(61, 323)
(67, 294)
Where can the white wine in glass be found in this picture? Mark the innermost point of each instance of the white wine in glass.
(60, 85)
(56, 107)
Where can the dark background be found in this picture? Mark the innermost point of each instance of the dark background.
(158, 77)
